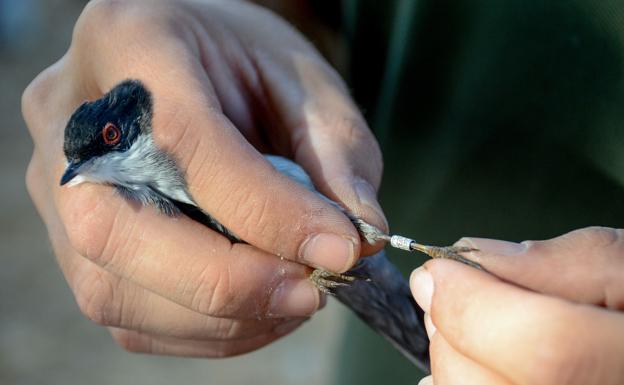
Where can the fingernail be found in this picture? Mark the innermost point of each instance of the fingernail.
(368, 197)
(294, 298)
(421, 284)
(426, 381)
(288, 326)
(328, 251)
(429, 326)
(492, 246)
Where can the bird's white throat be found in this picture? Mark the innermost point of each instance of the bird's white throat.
(142, 169)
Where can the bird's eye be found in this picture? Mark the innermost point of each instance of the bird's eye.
(111, 134)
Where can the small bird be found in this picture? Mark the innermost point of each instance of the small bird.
(109, 141)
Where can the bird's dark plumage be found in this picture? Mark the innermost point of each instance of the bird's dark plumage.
(382, 299)
(110, 141)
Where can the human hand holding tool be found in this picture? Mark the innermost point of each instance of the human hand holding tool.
(550, 312)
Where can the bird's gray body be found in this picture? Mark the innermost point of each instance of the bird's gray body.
(142, 172)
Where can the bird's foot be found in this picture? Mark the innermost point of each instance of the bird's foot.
(326, 281)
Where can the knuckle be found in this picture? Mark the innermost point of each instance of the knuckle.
(32, 97)
(536, 247)
(213, 295)
(352, 130)
(354, 133)
(32, 180)
(597, 236)
(132, 342)
(124, 19)
(588, 240)
(93, 19)
(253, 215)
(185, 132)
(91, 225)
(257, 217)
(35, 96)
(175, 131)
(231, 348)
(225, 351)
(35, 186)
(226, 328)
(95, 296)
(104, 15)
(363, 137)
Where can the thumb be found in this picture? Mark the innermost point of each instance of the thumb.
(584, 265)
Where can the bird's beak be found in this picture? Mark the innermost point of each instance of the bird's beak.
(70, 172)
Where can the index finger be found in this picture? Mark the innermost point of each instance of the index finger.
(584, 265)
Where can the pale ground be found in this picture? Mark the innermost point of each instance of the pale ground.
(43, 337)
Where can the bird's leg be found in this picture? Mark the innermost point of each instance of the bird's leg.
(448, 252)
(372, 234)
(326, 281)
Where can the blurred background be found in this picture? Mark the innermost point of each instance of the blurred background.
(496, 119)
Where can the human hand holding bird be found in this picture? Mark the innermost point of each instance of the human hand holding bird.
(193, 291)
(110, 141)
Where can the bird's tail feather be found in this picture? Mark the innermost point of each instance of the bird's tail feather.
(383, 300)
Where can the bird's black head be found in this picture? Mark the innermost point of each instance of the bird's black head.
(111, 123)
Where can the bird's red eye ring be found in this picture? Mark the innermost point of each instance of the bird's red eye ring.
(111, 134)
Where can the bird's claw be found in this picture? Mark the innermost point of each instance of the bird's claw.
(326, 281)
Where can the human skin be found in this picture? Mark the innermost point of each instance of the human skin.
(550, 312)
(230, 81)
